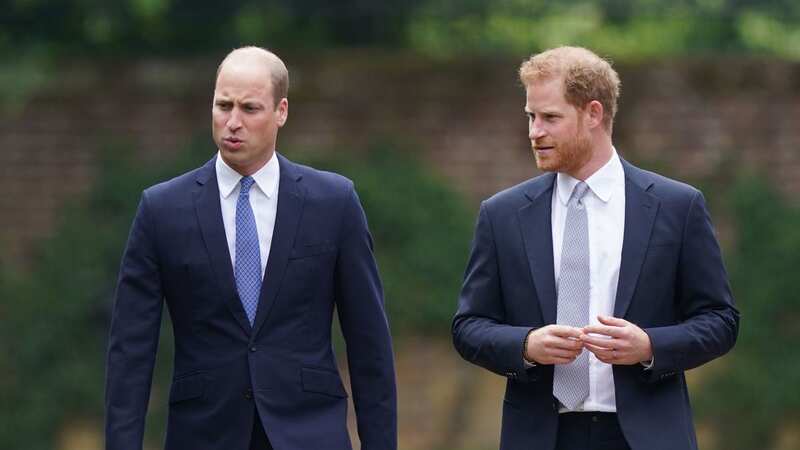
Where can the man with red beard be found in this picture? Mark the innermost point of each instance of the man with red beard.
(595, 286)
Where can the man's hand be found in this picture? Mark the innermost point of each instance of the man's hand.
(554, 344)
(617, 341)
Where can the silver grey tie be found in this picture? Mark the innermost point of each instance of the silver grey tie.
(571, 381)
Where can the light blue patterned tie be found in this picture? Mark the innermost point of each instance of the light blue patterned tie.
(248, 256)
(571, 381)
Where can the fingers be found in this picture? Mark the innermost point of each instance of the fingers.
(609, 326)
(601, 352)
(612, 321)
(554, 344)
(565, 331)
(608, 355)
(605, 330)
(613, 341)
(603, 341)
(558, 356)
(564, 354)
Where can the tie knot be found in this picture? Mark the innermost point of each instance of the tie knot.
(247, 183)
(578, 193)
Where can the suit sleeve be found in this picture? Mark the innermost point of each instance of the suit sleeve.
(710, 321)
(359, 300)
(480, 330)
(133, 338)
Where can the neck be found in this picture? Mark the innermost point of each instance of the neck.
(600, 155)
(248, 169)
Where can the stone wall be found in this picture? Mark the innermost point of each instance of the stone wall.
(695, 119)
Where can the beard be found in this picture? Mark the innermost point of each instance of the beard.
(567, 157)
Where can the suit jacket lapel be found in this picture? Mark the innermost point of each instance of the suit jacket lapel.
(640, 213)
(536, 228)
(290, 209)
(209, 215)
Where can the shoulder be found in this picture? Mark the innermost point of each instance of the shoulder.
(317, 181)
(522, 194)
(659, 185)
(322, 190)
(177, 189)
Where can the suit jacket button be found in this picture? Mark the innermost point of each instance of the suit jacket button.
(253, 349)
(248, 394)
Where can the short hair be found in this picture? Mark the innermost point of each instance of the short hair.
(586, 77)
(279, 74)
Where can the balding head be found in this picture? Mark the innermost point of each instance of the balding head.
(257, 58)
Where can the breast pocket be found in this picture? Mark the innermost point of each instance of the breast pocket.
(310, 268)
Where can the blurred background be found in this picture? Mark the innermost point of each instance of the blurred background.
(419, 103)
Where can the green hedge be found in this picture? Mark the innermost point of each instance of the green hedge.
(421, 231)
(621, 28)
(753, 397)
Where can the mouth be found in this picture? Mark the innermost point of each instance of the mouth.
(543, 148)
(232, 143)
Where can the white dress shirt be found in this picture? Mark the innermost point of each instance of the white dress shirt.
(263, 201)
(605, 209)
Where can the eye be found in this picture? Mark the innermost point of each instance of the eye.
(225, 106)
(250, 108)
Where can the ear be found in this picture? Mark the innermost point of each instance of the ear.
(594, 114)
(283, 111)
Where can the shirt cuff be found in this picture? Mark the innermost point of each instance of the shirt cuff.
(648, 364)
(528, 364)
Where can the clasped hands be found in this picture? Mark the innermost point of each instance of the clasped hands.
(613, 341)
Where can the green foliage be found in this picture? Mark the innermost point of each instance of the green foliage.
(756, 394)
(770, 34)
(421, 231)
(22, 78)
(168, 27)
(623, 29)
(55, 317)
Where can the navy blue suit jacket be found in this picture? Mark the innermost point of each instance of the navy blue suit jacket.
(282, 369)
(672, 283)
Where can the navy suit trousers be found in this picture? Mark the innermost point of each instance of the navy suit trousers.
(590, 431)
(259, 440)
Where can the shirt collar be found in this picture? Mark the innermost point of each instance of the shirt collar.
(266, 178)
(602, 183)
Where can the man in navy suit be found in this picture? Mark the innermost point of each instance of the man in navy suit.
(594, 287)
(251, 253)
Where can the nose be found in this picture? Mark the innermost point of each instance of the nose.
(234, 121)
(535, 130)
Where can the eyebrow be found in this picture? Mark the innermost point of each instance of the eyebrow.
(250, 102)
(547, 112)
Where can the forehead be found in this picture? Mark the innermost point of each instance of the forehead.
(242, 81)
(545, 94)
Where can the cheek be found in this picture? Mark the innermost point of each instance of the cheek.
(218, 120)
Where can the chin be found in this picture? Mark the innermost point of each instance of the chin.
(547, 165)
